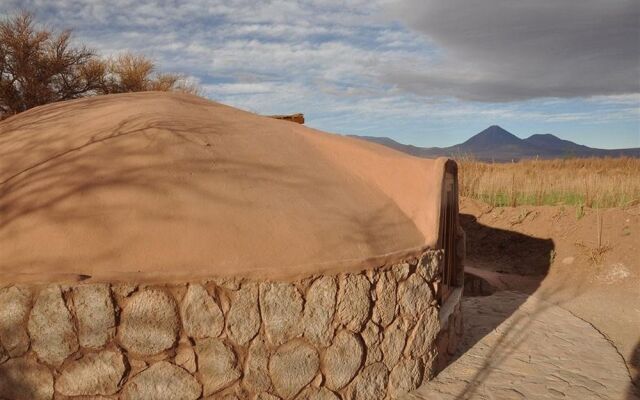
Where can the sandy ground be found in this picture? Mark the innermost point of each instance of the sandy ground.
(565, 319)
(521, 347)
(557, 246)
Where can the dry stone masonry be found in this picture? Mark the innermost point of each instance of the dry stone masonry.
(372, 335)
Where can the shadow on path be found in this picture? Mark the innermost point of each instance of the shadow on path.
(516, 262)
(506, 260)
(513, 261)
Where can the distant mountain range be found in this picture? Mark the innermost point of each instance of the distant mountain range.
(497, 144)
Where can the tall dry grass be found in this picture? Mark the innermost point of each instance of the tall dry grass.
(589, 182)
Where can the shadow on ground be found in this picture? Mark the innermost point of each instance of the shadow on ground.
(505, 251)
(514, 261)
(502, 253)
(498, 251)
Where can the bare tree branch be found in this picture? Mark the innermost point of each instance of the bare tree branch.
(38, 66)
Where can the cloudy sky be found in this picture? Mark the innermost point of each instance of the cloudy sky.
(425, 72)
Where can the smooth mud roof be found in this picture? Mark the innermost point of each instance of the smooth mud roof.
(158, 186)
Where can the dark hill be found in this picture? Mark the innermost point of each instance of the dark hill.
(500, 145)
(554, 143)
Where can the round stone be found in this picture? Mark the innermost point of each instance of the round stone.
(372, 338)
(423, 336)
(429, 265)
(415, 296)
(53, 336)
(354, 301)
(386, 293)
(95, 314)
(370, 384)
(25, 379)
(401, 271)
(281, 307)
(15, 304)
(405, 377)
(319, 310)
(93, 374)
(149, 323)
(393, 342)
(186, 357)
(292, 367)
(256, 369)
(217, 365)
(162, 381)
(342, 360)
(243, 318)
(201, 315)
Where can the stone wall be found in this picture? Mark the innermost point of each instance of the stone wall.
(370, 335)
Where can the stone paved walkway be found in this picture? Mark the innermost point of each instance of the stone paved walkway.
(524, 348)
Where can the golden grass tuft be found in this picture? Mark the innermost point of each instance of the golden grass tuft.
(584, 182)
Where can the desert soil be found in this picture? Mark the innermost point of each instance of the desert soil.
(541, 351)
(564, 321)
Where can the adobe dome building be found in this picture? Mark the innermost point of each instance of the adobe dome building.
(163, 246)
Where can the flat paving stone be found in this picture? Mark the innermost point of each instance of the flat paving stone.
(519, 347)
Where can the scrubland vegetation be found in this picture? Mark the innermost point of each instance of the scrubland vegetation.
(586, 182)
(39, 66)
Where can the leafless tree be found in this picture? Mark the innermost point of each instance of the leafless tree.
(136, 73)
(38, 66)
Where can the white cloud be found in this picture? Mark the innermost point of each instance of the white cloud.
(350, 67)
(231, 89)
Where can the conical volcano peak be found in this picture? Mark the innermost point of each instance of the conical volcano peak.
(493, 136)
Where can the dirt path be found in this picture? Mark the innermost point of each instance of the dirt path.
(559, 323)
(553, 252)
(520, 347)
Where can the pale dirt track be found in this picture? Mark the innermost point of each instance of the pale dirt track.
(540, 351)
(559, 325)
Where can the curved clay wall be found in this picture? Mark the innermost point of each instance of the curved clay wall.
(369, 335)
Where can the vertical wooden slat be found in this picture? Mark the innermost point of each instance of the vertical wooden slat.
(449, 231)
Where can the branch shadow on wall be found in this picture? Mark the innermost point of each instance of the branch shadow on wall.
(46, 174)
